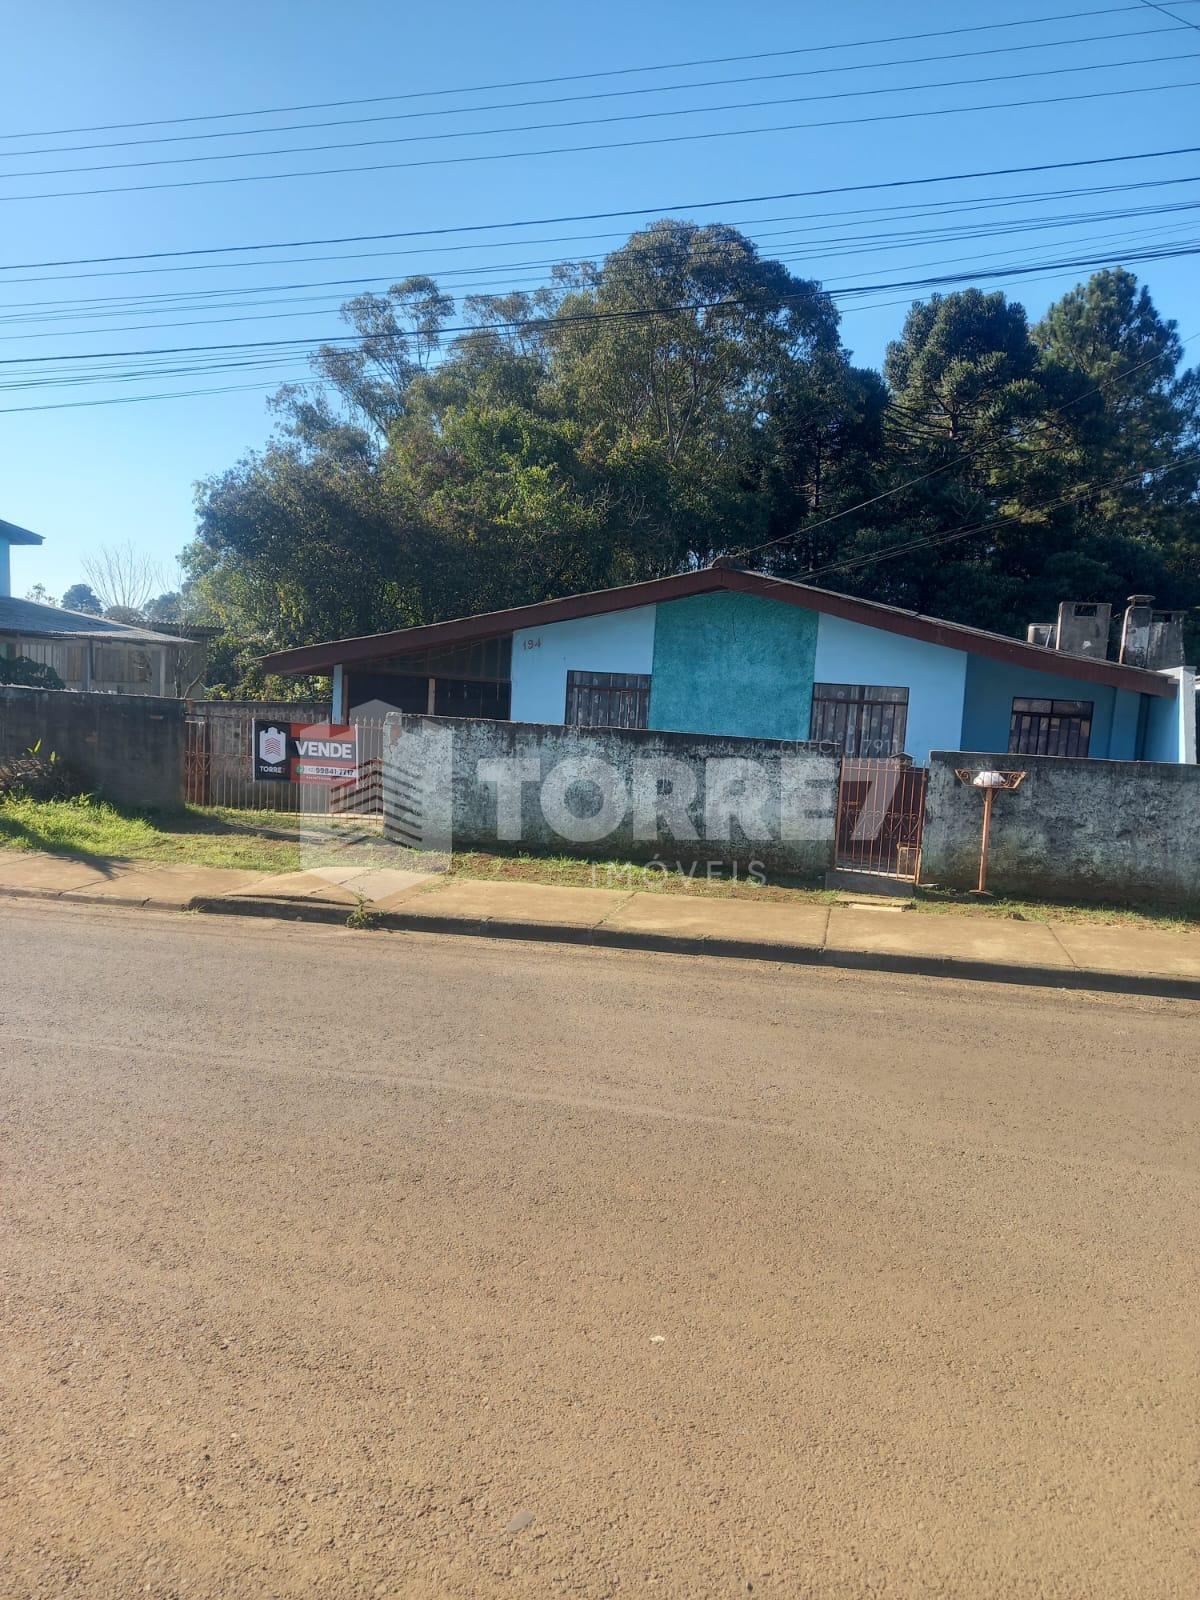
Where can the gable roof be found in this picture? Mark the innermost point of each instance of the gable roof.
(706, 580)
(29, 618)
(11, 534)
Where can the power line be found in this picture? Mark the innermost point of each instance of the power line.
(605, 121)
(585, 149)
(930, 209)
(543, 324)
(946, 466)
(577, 77)
(138, 399)
(607, 216)
(303, 356)
(232, 299)
(967, 529)
(603, 94)
(1183, 22)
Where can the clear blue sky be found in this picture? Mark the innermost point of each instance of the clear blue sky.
(91, 475)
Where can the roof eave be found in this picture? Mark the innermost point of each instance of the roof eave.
(322, 658)
(11, 534)
(490, 624)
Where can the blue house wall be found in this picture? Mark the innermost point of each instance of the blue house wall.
(733, 663)
(1126, 725)
(741, 664)
(993, 685)
(848, 652)
(1171, 724)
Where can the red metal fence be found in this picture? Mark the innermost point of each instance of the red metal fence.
(219, 770)
(881, 812)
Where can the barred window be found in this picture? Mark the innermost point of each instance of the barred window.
(1050, 727)
(861, 719)
(608, 699)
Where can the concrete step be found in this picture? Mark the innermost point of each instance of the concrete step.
(845, 881)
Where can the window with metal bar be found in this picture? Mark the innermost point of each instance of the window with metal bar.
(1050, 727)
(608, 699)
(860, 719)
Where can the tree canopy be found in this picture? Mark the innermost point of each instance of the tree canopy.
(687, 398)
(82, 597)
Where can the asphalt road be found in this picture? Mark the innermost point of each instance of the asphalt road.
(374, 1264)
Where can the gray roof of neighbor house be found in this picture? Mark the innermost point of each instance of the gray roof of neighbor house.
(28, 618)
(722, 575)
(11, 534)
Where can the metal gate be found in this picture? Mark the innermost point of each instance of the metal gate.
(195, 761)
(881, 812)
(219, 770)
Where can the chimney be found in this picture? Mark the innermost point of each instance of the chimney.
(1166, 640)
(1083, 628)
(1135, 630)
(1150, 638)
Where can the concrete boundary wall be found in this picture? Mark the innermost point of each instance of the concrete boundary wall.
(1101, 831)
(611, 793)
(128, 748)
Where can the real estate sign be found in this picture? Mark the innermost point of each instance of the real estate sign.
(304, 752)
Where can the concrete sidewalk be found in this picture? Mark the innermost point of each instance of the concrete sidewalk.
(880, 937)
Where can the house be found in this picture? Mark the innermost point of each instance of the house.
(87, 652)
(722, 650)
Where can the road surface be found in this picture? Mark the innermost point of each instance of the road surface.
(357, 1264)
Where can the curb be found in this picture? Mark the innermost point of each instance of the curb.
(1094, 979)
(1098, 980)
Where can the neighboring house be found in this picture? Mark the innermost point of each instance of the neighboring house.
(91, 652)
(726, 651)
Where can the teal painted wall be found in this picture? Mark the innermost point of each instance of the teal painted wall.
(735, 664)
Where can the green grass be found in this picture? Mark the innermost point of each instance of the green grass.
(950, 902)
(272, 842)
(93, 828)
(575, 872)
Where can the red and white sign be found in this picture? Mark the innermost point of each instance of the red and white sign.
(305, 752)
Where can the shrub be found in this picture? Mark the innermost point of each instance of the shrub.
(27, 674)
(37, 776)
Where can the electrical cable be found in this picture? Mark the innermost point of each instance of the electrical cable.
(588, 149)
(579, 77)
(608, 216)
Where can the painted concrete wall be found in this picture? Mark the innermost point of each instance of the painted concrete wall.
(744, 666)
(992, 687)
(848, 652)
(129, 748)
(1126, 718)
(1171, 724)
(729, 663)
(611, 793)
(621, 641)
(1105, 831)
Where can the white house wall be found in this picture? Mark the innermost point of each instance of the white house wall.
(618, 641)
(935, 677)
